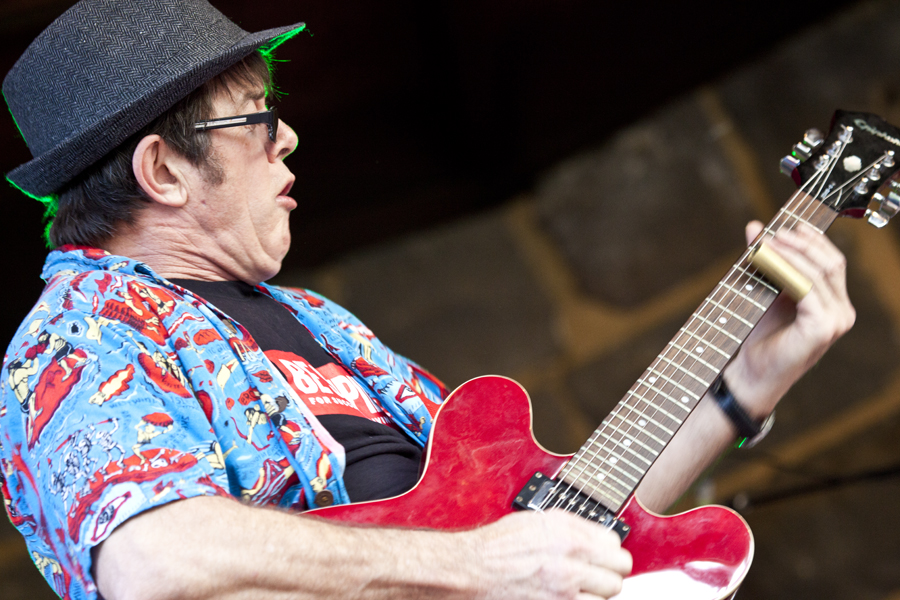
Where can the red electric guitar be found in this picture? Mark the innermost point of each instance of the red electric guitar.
(483, 461)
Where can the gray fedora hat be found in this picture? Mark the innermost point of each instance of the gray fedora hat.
(105, 69)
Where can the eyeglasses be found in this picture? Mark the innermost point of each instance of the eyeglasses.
(269, 117)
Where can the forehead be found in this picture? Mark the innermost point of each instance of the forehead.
(235, 97)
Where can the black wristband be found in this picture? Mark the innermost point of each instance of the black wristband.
(748, 430)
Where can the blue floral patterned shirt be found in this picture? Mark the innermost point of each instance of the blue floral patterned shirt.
(121, 392)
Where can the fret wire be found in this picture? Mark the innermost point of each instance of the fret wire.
(691, 394)
(744, 296)
(641, 415)
(694, 356)
(644, 416)
(630, 447)
(656, 420)
(597, 485)
(659, 392)
(611, 501)
(686, 371)
(712, 311)
(609, 481)
(671, 417)
(792, 215)
(628, 450)
(640, 397)
(753, 276)
(719, 305)
(699, 338)
(641, 430)
(572, 465)
(741, 276)
(615, 467)
(718, 328)
(607, 426)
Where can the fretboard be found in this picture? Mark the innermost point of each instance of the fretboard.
(609, 466)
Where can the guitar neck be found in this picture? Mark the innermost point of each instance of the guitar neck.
(611, 464)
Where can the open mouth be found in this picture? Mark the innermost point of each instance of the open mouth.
(287, 188)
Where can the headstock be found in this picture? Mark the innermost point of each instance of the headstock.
(853, 169)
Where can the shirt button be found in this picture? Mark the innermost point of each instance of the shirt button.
(324, 498)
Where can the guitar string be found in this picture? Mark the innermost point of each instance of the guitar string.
(661, 371)
(708, 325)
(788, 218)
(640, 412)
(659, 392)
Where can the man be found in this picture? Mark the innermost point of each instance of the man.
(155, 334)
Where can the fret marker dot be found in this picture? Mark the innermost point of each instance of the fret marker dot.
(613, 460)
(642, 423)
(652, 380)
(626, 443)
(684, 399)
(748, 287)
(699, 349)
(599, 476)
(723, 320)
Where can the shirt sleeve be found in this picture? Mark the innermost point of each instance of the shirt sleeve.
(97, 424)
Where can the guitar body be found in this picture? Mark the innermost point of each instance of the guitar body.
(482, 453)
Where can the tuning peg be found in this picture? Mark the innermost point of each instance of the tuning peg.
(813, 138)
(846, 134)
(801, 151)
(881, 208)
(835, 147)
(888, 161)
(788, 164)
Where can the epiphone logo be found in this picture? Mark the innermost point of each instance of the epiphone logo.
(866, 127)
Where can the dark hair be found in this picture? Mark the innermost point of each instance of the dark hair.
(106, 196)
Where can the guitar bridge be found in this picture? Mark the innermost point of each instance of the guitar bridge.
(542, 492)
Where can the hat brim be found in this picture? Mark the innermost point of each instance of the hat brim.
(46, 174)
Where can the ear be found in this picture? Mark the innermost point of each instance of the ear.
(160, 171)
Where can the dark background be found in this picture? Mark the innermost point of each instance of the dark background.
(413, 113)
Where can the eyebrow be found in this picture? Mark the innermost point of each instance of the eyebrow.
(252, 95)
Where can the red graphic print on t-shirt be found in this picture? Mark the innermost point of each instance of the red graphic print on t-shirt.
(327, 390)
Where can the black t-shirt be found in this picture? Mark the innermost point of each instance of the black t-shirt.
(381, 460)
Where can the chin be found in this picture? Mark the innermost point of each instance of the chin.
(265, 275)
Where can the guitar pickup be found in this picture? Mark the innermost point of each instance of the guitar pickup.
(543, 492)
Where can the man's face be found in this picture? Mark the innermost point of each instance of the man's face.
(246, 213)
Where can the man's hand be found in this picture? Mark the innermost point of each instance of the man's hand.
(551, 555)
(791, 337)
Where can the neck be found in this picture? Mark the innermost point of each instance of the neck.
(176, 251)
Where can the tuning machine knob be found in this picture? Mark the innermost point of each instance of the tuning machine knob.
(882, 208)
(801, 151)
(812, 139)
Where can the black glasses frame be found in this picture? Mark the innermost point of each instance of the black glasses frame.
(269, 117)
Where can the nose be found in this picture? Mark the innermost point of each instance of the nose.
(285, 142)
